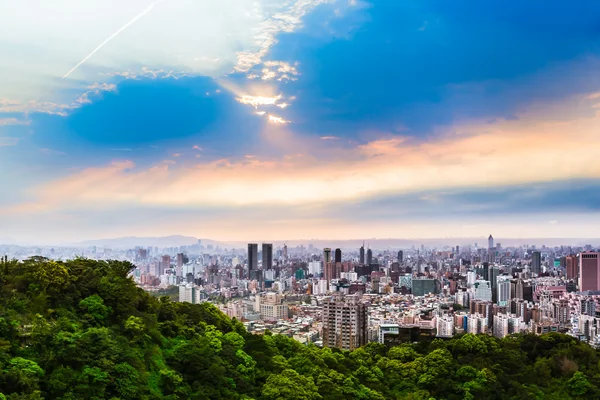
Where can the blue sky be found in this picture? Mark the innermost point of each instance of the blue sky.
(267, 119)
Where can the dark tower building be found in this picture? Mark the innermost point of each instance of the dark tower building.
(362, 254)
(536, 262)
(400, 256)
(369, 256)
(267, 256)
(338, 255)
(327, 255)
(252, 257)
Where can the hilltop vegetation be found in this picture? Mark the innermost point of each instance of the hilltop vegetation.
(82, 330)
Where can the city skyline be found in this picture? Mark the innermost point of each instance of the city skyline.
(309, 118)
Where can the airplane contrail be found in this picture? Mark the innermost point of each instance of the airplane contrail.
(127, 25)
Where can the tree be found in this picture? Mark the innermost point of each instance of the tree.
(289, 385)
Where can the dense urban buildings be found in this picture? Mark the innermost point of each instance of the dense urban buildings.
(351, 295)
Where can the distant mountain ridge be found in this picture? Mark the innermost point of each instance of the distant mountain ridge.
(133, 241)
(180, 240)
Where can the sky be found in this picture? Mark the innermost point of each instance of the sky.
(299, 119)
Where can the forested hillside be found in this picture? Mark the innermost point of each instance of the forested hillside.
(82, 330)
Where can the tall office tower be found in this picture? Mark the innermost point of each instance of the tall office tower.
(329, 270)
(400, 256)
(457, 249)
(369, 256)
(589, 271)
(285, 251)
(165, 263)
(491, 250)
(267, 256)
(179, 269)
(361, 259)
(536, 262)
(344, 323)
(493, 273)
(338, 255)
(326, 255)
(572, 265)
(252, 258)
(503, 290)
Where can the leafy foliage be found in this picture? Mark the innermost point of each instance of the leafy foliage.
(82, 330)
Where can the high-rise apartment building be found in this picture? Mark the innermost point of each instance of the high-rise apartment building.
(345, 323)
(267, 256)
(536, 262)
(503, 287)
(589, 271)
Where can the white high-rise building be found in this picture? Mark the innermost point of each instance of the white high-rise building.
(189, 293)
(471, 278)
(503, 290)
(483, 290)
(476, 324)
(445, 326)
(501, 323)
(351, 276)
(314, 268)
(462, 298)
(320, 287)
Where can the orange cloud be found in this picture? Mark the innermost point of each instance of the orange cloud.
(483, 155)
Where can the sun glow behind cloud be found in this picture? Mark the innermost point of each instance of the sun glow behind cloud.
(522, 153)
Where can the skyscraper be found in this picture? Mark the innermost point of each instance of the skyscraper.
(369, 256)
(491, 250)
(165, 263)
(572, 266)
(503, 287)
(285, 251)
(361, 259)
(179, 269)
(400, 256)
(252, 257)
(338, 255)
(589, 271)
(344, 323)
(536, 262)
(326, 255)
(267, 256)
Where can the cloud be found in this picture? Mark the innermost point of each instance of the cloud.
(523, 151)
(281, 22)
(13, 121)
(52, 108)
(277, 70)
(256, 101)
(277, 120)
(329, 138)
